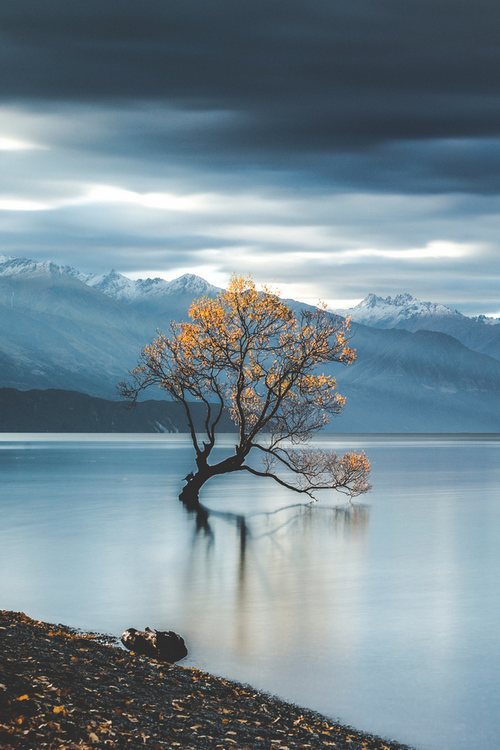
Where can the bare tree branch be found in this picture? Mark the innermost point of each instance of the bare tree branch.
(245, 352)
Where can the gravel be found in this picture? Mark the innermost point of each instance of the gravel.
(65, 689)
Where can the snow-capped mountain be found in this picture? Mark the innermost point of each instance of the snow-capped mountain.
(189, 283)
(29, 268)
(406, 312)
(486, 320)
(389, 312)
(120, 287)
(113, 284)
(61, 328)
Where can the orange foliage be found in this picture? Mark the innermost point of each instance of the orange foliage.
(247, 351)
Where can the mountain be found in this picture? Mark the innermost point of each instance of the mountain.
(391, 312)
(414, 382)
(119, 287)
(480, 333)
(56, 331)
(113, 284)
(62, 329)
(486, 320)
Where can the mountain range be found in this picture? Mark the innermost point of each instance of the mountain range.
(421, 367)
(403, 311)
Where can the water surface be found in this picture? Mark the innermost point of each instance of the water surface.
(385, 614)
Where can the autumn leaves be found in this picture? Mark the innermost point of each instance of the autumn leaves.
(248, 353)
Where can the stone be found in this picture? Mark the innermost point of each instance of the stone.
(164, 645)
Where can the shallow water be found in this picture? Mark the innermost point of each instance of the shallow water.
(385, 615)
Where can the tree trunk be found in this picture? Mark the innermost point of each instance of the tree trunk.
(190, 494)
(194, 482)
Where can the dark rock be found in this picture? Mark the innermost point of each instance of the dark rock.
(159, 644)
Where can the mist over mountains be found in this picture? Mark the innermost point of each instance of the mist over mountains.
(420, 367)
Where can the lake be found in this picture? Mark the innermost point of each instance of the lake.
(384, 614)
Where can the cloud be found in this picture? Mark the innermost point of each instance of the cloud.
(334, 148)
(309, 76)
(15, 144)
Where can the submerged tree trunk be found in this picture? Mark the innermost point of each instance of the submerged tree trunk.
(190, 493)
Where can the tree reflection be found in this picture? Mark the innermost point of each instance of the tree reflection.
(348, 520)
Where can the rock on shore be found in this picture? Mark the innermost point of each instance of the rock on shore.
(158, 644)
(63, 689)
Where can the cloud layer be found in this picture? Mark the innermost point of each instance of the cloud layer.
(335, 148)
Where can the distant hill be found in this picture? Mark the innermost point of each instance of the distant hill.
(62, 329)
(68, 411)
(418, 382)
(55, 410)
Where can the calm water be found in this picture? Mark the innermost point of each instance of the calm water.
(385, 615)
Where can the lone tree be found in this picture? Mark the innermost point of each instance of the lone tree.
(246, 352)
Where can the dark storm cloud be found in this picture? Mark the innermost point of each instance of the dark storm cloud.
(336, 147)
(349, 93)
(229, 51)
(302, 77)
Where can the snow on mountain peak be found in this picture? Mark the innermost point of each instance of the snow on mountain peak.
(370, 301)
(113, 284)
(10, 267)
(190, 283)
(400, 300)
(389, 311)
(118, 286)
(487, 320)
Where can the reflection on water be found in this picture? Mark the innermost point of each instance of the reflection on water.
(349, 517)
(384, 613)
(298, 519)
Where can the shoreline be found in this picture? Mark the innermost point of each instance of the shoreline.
(66, 689)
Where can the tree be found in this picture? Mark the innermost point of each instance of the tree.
(247, 352)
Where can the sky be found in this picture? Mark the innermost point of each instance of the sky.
(331, 148)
